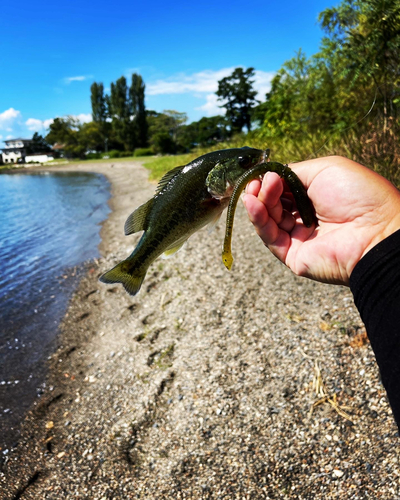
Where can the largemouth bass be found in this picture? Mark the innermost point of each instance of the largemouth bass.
(187, 198)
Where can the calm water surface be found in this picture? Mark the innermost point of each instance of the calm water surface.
(49, 226)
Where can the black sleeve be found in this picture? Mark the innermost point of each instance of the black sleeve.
(375, 283)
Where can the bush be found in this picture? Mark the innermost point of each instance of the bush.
(113, 153)
(143, 152)
(94, 156)
(125, 154)
(163, 143)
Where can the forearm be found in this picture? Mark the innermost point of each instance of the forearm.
(375, 283)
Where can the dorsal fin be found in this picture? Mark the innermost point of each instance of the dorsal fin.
(168, 176)
(137, 220)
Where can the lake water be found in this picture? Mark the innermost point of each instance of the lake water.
(49, 227)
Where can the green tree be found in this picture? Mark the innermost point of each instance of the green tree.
(348, 92)
(126, 109)
(212, 129)
(366, 34)
(138, 109)
(335, 88)
(205, 132)
(90, 136)
(65, 133)
(61, 131)
(164, 129)
(39, 144)
(302, 99)
(120, 112)
(100, 114)
(98, 100)
(238, 97)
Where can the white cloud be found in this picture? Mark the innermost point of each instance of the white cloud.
(206, 82)
(47, 123)
(211, 107)
(8, 118)
(82, 78)
(83, 117)
(76, 78)
(35, 125)
(262, 83)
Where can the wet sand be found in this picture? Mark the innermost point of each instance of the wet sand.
(204, 384)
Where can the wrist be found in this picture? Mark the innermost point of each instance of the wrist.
(389, 228)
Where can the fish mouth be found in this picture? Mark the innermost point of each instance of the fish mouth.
(263, 157)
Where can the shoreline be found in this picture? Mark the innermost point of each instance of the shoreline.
(201, 386)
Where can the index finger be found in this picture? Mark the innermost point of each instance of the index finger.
(253, 187)
(307, 170)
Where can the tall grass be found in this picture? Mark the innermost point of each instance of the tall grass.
(160, 165)
(376, 148)
(371, 146)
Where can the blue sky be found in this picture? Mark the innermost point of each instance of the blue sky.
(51, 52)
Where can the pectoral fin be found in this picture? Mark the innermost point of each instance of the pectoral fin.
(213, 223)
(174, 248)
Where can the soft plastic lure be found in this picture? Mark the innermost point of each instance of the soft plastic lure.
(300, 195)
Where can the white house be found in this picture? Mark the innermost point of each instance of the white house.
(15, 150)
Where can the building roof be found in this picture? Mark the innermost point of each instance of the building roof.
(18, 139)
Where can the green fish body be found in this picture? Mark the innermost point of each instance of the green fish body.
(187, 198)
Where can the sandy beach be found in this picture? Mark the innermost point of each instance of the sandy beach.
(209, 384)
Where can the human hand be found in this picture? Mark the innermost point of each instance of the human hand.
(355, 208)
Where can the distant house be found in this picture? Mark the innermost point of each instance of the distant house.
(15, 150)
(58, 149)
(18, 151)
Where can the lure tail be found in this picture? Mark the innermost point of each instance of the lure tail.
(131, 278)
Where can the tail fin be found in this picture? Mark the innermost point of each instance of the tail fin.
(131, 279)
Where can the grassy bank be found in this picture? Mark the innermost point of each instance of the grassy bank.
(378, 152)
(159, 165)
(283, 151)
